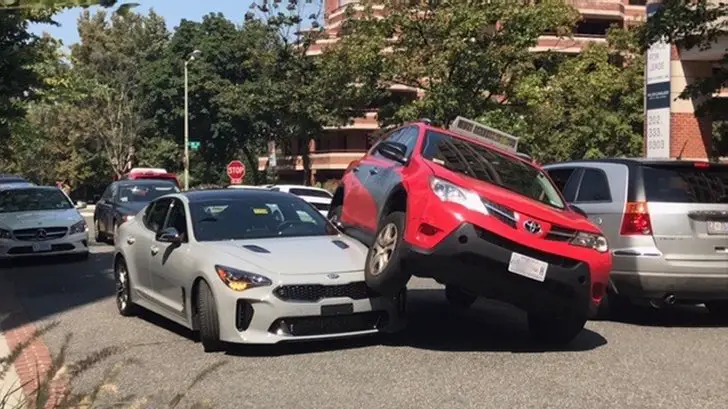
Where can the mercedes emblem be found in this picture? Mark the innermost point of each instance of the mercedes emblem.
(332, 276)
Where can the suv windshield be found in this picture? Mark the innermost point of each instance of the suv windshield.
(26, 200)
(686, 184)
(145, 192)
(482, 163)
(258, 217)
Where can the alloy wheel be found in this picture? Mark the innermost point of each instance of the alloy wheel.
(122, 287)
(383, 248)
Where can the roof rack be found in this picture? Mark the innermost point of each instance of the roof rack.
(472, 129)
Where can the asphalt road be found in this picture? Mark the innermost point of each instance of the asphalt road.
(480, 358)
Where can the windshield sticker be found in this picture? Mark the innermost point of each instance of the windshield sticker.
(215, 210)
(163, 189)
(261, 210)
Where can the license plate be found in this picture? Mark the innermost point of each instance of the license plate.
(528, 267)
(337, 309)
(718, 228)
(39, 247)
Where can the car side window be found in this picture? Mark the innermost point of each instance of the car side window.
(594, 187)
(391, 137)
(177, 217)
(408, 137)
(107, 192)
(567, 181)
(156, 214)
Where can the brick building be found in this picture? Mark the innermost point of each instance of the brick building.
(337, 147)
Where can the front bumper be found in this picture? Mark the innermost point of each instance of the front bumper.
(260, 316)
(477, 260)
(70, 244)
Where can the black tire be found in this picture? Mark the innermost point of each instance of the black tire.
(110, 238)
(555, 330)
(718, 308)
(98, 236)
(208, 319)
(124, 302)
(459, 298)
(334, 215)
(387, 276)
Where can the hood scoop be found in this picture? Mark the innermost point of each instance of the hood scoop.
(340, 244)
(257, 249)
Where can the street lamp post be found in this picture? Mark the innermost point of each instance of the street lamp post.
(193, 55)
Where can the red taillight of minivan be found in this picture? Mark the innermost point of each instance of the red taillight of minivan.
(636, 221)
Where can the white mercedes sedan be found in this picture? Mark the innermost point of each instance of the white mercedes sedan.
(248, 266)
(40, 221)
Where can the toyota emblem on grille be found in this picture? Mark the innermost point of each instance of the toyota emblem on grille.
(332, 276)
(41, 234)
(532, 227)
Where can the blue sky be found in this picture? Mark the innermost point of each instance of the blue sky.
(172, 10)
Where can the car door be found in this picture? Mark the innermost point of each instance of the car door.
(103, 208)
(360, 209)
(385, 173)
(169, 263)
(142, 241)
(601, 194)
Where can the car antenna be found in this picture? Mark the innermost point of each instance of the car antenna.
(679, 155)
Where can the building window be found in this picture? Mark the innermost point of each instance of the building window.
(594, 27)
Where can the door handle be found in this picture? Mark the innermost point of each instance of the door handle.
(155, 250)
(130, 240)
(373, 171)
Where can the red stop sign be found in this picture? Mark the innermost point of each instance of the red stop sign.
(236, 172)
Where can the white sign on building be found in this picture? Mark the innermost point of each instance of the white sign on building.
(657, 97)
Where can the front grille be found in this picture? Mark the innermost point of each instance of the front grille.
(315, 292)
(527, 251)
(500, 212)
(29, 249)
(338, 324)
(40, 234)
(243, 315)
(558, 233)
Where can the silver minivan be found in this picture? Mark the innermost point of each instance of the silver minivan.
(667, 226)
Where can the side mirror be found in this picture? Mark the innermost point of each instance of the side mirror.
(394, 151)
(169, 235)
(579, 210)
(80, 205)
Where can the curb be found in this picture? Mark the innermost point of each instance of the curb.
(35, 359)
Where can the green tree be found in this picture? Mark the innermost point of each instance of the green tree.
(461, 54)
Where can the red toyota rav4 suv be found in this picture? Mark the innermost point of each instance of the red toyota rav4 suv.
(463, 207)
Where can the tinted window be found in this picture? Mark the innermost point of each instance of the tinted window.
(321, 206)
(560, 176)
(594, 187)
(176, 217)
(144, 192)
(107, 192)
(310, 192)
(482, 163)
(407, 137)
(254, 217)
(154, 219)
(24, 200)
(686, 184)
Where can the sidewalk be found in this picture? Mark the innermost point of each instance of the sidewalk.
(10, 382)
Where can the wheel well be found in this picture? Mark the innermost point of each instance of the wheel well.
(396, 202)
(193, 302)
(338, 198)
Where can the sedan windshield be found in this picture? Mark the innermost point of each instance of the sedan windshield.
(257, 218)
(488, 165)
(144, 192)
(33, 199)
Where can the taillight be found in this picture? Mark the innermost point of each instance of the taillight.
(702, 165)
(636, 220)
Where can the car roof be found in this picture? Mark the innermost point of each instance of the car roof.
(231, 194)
(299, 187)
(23, 186)
(127, 182)
(634, 161)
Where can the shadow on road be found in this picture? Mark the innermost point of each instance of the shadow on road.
(676, 316)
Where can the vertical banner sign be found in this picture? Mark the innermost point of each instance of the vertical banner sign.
(657, 96)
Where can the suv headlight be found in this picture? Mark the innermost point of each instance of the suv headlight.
(79, 227)
(592, 241)
(239, 280)
(450, 192)
(5, 234)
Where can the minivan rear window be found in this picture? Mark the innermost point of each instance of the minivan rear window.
(686, 184)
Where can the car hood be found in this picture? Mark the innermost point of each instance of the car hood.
(516, 202)
(43, 218)
(298, 255)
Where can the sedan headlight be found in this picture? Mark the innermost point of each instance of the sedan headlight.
(450, 192)
(79, 227)
(5, 234)
(239, 280)
(592, 241)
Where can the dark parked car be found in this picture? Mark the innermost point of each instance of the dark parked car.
(13, 180)
(122, 200)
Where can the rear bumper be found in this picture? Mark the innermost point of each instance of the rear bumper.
(685, 286)
(477, 260)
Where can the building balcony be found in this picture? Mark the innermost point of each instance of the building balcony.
(566, 44)
(367, 122)
(330, 160)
